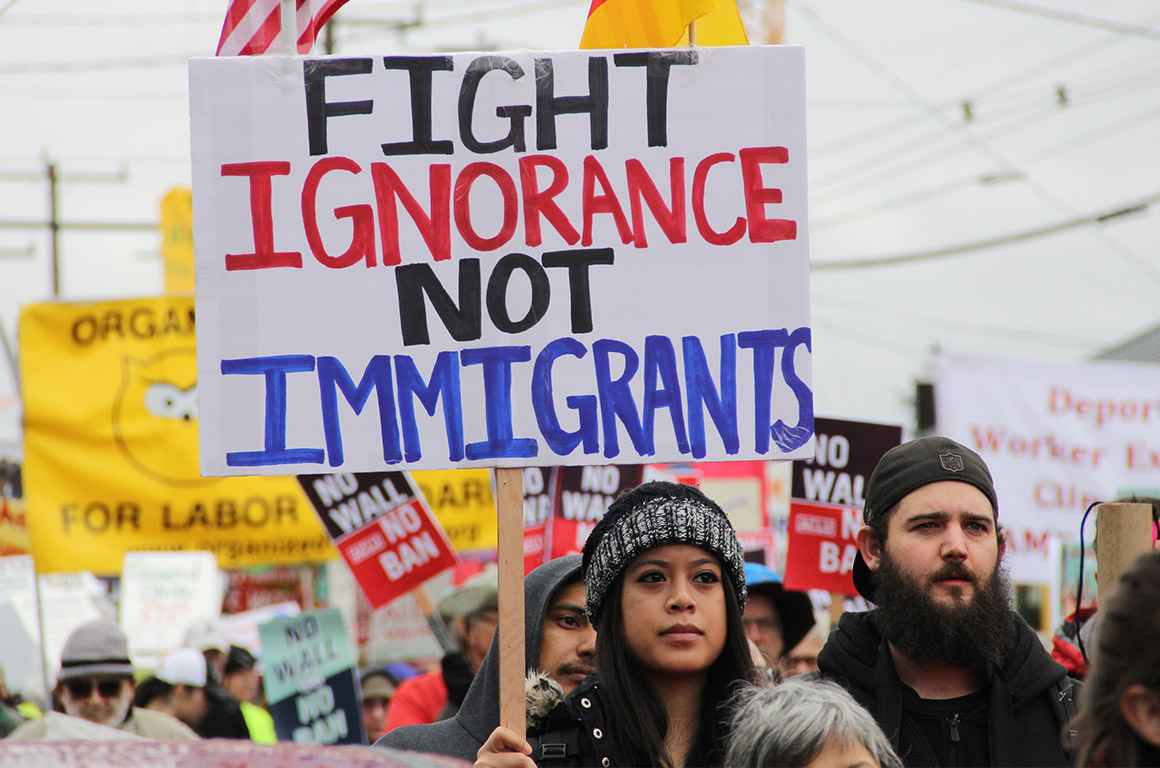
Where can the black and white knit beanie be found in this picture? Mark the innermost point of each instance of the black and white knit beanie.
(653, 515)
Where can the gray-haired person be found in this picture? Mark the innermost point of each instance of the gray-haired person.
(806, 724)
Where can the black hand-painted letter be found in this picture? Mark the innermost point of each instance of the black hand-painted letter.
(548, 104)
(516, 114)
(419, 68)
(657, 64)
(315, 72)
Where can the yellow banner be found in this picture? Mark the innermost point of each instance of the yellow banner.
(177, 239)
(463, 502)
(110, 447)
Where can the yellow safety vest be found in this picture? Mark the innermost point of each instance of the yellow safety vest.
(29, 711)
(259, 723)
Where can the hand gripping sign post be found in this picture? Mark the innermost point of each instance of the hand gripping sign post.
(501, 260)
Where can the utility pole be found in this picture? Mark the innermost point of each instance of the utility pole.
(328, 39)
(54, 224)
(10, 358)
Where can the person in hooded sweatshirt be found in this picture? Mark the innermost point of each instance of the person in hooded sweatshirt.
(953, 676)
(558, 640)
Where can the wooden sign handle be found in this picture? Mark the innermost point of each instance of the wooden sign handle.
(509, 502)
(1123, 533)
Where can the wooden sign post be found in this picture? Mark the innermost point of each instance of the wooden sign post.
(1123, 533)
(509, 503)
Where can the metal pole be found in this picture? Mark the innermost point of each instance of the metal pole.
(10, 357)
(288, 37)
(328, 39)
(54, 225)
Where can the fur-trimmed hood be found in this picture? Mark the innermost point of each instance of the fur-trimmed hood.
(463, 735)
(542, 695)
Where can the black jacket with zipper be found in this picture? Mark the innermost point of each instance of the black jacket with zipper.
(575, 733)
(1030, 698)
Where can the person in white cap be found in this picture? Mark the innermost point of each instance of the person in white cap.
(206, 635)
(185, 670)
(95, 683)
(197, 700)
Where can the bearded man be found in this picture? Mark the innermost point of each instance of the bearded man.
(96, 683)
(951, 673)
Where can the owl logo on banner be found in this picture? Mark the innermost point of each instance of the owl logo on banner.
(155, 417)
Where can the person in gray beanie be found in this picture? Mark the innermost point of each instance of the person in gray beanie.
(665, 591)
(95, 683)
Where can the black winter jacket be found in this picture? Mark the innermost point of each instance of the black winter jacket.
(576, 732)
(1030, 697)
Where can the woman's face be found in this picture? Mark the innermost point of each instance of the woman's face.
(673, 609)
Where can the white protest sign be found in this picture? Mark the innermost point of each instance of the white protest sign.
(162, 595)
(20, 656)
(1056, 438)
(68, 600)
(242, 628)
(399, 631)
(515, 259)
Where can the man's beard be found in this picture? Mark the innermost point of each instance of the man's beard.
(110, 712)
(971, 632)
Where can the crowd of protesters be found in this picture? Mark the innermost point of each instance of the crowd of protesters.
(661, 646)
(941, 672)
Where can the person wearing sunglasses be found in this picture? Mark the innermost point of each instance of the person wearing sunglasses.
(95, 683)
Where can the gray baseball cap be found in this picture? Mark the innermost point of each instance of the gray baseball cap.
(96, 648)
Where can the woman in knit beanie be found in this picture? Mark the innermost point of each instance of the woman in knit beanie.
(666, 591)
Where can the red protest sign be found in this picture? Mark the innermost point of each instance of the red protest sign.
(826, 500)
(383, 530)
(539, 490)
(583, 495)
(822, 545)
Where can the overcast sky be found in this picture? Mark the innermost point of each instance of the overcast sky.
(932, 124)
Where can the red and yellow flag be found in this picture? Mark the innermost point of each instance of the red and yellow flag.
(661, 23)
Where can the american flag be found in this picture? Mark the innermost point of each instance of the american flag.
(252, 26)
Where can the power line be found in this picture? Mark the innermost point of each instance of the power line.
(984, 107)
(110, 19)
(17, 253)
(389, 25)
(936, 254)
(931, 109)
(102, 64)
(81, 226)
(476, 17)
(1098, 134)
(1092, 22)
(902, 156)
(868, 339)
(923, 195)
(878, 309)
(1003, 85)
(928, 193)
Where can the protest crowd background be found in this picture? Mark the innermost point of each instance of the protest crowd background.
(340, 336)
